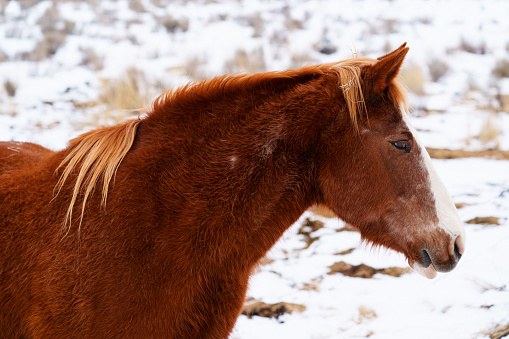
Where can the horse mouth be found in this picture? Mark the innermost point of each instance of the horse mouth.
(428, 265)
(427, 271)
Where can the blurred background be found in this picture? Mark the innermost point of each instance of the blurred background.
(67, 66)
(79, 64)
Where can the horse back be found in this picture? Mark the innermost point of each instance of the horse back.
(15, 155)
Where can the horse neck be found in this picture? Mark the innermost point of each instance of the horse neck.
(233, 178)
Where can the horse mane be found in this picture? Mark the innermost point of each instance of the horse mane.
(348, 74)
(99, 153)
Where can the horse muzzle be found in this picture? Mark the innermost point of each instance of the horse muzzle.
(434, 260)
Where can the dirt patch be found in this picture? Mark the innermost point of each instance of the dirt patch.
(442, 153)
(262, 309)
(364, 271)
(484, 221)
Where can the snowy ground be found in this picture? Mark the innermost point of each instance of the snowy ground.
(56, 94)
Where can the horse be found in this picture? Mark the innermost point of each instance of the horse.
(151, 228)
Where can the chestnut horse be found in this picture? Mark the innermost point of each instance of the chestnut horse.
(151, 228)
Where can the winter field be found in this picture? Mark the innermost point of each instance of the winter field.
(69, 66)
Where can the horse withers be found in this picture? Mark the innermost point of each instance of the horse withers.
(151, 228)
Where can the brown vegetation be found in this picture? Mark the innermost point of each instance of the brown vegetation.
(484, 221)
(441, 153)
(364, 271)
(262, 309)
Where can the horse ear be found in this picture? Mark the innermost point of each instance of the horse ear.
(386, 69)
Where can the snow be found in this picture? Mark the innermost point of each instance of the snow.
(449, 114)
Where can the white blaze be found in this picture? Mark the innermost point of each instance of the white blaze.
(448, 217)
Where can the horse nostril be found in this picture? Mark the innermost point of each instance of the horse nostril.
(426, 259)
(458, 249)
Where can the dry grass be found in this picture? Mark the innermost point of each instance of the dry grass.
(322, 210)
(122, 98)
(484, 221)
(293, 24)
(413, 78)
(261, 309)
(489, 134)
(390, 26)
(173, 25)
(3, 56)
(194, 68)
(470, 47)
(54, 35)
(299, 60)
(91, 59)
(137, 6)
(501, 69)
(504, 102)
(364, 271)
(244, 61)
(441, 153)
(437, 69)
(256, 22)
(497, 332)
(366, 315)
(10, 87)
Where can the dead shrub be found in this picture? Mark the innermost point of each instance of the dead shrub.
(470, 47)
(256, 21)
(194, 68)
(10, 88)
(364, 271)
(293, 24)
(501, 69)
(173, 25)
(54, 33)
(137, 6)
(489, 134)
(3, 56)
(90, 58)
(48, 46)
(261, 309)
(437, 69)
(498, 331)
(122, 97)
(484, 221)
(413, 78)
(366, 315)
(325, 45)
(243, 61)
(391, 26)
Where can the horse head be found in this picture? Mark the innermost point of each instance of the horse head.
(389, 188)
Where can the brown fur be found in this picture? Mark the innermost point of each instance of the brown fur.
(205, 184)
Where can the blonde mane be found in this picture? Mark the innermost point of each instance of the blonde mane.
(99, 153)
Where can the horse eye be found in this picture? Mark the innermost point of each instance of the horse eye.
(402, 145)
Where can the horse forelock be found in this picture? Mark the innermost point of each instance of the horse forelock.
(349, 78)
(96, 154)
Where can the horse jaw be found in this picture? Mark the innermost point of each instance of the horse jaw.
(448, 217)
